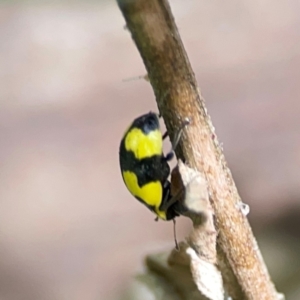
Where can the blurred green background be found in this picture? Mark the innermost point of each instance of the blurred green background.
(69, 228)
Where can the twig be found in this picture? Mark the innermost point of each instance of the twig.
(155, 34)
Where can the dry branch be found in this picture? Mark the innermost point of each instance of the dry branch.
(155, 34)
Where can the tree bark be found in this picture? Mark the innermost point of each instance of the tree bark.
(154, 32)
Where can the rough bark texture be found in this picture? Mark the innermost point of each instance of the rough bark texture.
(155, 34)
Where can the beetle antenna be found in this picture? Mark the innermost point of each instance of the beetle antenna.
(179, 133)
(165, 135)
(176, 139)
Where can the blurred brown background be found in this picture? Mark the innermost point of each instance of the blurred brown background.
(69, 229)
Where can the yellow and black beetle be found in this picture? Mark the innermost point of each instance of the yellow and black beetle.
(145, 169)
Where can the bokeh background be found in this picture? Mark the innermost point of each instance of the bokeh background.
(68, 227)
